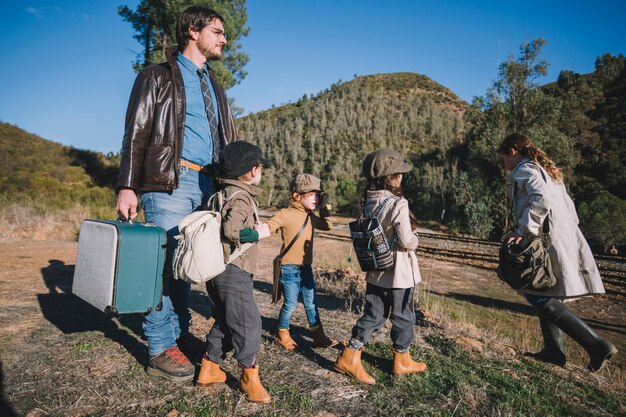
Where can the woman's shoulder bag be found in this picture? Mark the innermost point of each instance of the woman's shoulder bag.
(527, 266)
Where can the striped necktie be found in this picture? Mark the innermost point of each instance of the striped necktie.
(210, 113)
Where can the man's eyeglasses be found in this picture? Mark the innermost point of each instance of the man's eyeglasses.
(218, 32)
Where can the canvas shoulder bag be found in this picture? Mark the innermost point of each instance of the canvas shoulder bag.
(527, 266)
(278, 261)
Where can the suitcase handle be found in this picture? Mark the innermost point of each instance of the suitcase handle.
(128, 220)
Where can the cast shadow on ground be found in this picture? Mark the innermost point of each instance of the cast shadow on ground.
(302, 337)
(324, 300)
(5, 408)
(524, 309)
(200, 303)
(72, 315)
(489, 302)
(609, 327)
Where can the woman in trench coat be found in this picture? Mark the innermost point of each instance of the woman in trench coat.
(536, 186)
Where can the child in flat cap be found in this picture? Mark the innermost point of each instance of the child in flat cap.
(237, 319)
(388, 293)
(296, 276)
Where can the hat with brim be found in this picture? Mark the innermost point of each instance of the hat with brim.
(305, 183)
(384, 162)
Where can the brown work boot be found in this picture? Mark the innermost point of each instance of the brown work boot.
(191, 344)
(172, 365)
(251, 385)
(284, 339)
(404, 364)
(349, 363)
(320, 339)
(210, 373)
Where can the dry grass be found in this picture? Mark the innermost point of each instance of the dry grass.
(23, 220)
(63, 357)
(465, 302)
(34, 220)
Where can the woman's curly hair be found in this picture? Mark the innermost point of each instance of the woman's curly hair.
(524, 146)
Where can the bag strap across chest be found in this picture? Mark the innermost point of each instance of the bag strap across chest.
(286, 249)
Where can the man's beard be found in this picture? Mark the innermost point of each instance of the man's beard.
(211, 55)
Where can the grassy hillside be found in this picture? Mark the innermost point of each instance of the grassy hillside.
(41, 182)
(329, 134)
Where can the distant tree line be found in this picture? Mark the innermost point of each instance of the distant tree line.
(580, 121)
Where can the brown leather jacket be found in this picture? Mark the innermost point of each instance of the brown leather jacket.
(155, 123)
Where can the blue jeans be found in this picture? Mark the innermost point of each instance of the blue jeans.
(166, 209)
(536, 301)
(296, 280)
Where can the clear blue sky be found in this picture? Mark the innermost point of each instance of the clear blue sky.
(66, 65)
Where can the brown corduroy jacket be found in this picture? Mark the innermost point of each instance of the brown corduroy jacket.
(239, 211)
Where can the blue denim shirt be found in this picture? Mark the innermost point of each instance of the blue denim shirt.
(197, 145)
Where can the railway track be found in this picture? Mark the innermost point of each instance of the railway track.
(484, 254)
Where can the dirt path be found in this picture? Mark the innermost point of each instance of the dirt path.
(60, 356)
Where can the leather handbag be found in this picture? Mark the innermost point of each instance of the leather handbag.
(278, 260)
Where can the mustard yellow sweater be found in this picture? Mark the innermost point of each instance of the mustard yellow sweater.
(289, 221)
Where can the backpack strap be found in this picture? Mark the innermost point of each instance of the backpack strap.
(286, 249)
(220, 199)
(378, 210)
(392, 242)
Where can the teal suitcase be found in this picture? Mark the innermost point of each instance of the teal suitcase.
(119, 266)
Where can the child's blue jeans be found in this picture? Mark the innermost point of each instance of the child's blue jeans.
(296, 280)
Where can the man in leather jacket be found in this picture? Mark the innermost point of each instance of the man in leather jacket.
(173, 133)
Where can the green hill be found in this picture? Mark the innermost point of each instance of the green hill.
(50, 176)
(457, 179)
(329, 134)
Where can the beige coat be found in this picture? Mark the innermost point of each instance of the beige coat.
(572, 261)
(395, 221)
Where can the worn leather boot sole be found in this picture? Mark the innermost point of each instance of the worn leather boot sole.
(330, 344)
(551, 358)
(594, 366)
(164, 375)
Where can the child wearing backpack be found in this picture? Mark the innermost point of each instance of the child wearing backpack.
(237, 319)
(388, 293)
(297, 224)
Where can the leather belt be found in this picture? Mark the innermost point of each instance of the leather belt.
(195, 167)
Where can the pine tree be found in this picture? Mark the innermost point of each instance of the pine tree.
(154, 23)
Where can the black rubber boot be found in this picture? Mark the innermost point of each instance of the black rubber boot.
(599, 350)
(552, 351)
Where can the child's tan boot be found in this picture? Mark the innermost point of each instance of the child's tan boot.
(320, 339)
(404, 364)
(251, 385)
(349, 363)
(210, 373)
(284, 339)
